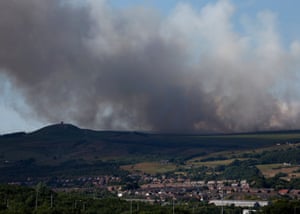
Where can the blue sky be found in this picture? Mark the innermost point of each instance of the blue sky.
(287, 24)
(287, 12)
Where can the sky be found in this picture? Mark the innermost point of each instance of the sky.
(287, 12)
(174, 66)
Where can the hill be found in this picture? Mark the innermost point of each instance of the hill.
(64, 142)
(62, 147)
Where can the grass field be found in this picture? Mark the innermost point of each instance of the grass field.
(237, 154)
(213, 163)
(150, 167)
(270, 170)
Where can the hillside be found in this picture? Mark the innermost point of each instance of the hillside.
(63, 142)
(63, 148)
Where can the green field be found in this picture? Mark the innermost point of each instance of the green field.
(270, 170)
(150, 167)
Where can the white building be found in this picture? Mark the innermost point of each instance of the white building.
(248, 211)
(239, 203)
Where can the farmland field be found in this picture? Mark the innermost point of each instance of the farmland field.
(150, 167)
(270, 170)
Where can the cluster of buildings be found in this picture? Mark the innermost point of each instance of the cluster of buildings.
(163, 189)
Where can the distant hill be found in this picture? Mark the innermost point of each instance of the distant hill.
(64, 149)
(63, 142)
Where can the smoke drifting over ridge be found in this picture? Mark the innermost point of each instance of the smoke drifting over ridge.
(133, 69)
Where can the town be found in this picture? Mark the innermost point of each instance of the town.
(162, 189)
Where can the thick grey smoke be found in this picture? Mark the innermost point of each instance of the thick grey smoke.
(104, 68)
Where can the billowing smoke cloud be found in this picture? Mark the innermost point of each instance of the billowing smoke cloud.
(104, 68)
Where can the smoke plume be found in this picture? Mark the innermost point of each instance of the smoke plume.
(107, 68)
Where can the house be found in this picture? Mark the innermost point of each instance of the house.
(283, 192)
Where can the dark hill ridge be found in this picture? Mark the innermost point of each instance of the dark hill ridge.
(63, 142)
(58, 129)
(69, 130)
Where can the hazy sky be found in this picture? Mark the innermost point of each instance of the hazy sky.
(162, 65)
